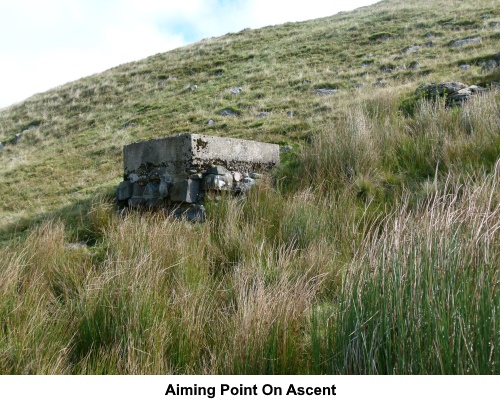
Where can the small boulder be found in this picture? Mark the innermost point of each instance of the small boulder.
(228, 113)
(185, 191)
(255, 176)
(164, 186)
(195, 213)
(220, 170)
(490, 65)
(466, 41)
(236, 90)
(152, 195)
(326, 92)
(410, 49)
(237, 176)
(217, 182)
(16, 139)
(124, 190)
(211, 123)
(434, 90)
(248, 183)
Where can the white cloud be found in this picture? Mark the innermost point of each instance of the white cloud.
(47, 43)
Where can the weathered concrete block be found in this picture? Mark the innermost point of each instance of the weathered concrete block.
(176, 155)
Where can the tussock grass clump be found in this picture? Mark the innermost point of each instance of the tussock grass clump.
(420, 295)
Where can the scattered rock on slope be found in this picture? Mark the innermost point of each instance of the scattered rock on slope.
(466, 41)
(455, 93)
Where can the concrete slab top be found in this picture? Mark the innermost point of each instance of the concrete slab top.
(184, 151)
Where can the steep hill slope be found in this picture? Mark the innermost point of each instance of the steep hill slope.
(71, 137)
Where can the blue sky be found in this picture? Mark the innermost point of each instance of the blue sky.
(46, 43)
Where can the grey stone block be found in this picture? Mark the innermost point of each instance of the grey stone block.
(196, 213)
(124, 191)
(137, 190)
(218, 170)
(218, 182)
(151, 195)
(164, 186)
(185, 191)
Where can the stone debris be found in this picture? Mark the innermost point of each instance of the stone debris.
(1, 145)
(379, 83)
(465, 66)
(193, 87)
(16, 139)
(466, 41)
(494, 24)
(326, 92)
(236, 90)
(30, 128)
(75, 246)
(455, 93)
(414, 65)
(211, 123)
(263, 115)
(429, 44)
(176, 174)
(490, 64)
(290, 113)
(411, 49)
(286, 148)
(228, 113)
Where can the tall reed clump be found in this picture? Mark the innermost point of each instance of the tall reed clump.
(381, 258)
(421, 294)
(373, 149)
(40, 278)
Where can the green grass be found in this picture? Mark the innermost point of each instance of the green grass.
(374, 250)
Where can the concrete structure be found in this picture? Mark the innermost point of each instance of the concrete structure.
(176, 172)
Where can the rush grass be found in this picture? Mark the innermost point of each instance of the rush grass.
(375, 251)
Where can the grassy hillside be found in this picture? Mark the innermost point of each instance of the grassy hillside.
(375, 251)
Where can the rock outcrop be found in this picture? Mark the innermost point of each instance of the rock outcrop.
(455, 93)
